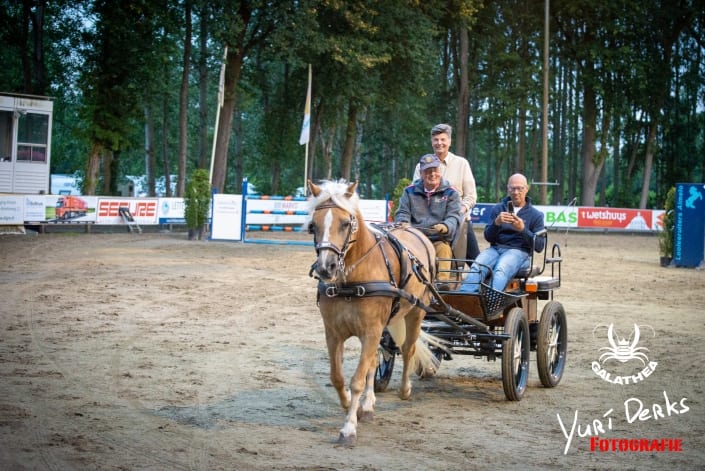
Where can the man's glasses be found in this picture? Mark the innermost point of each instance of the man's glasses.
(512, 189)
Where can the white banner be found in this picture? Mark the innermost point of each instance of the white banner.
(227, 217)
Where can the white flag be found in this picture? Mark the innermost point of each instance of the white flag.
(305, 128)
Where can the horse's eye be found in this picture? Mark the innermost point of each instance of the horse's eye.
(311, 228)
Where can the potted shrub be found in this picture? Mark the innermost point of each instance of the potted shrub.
(197, 201)
(665, 242)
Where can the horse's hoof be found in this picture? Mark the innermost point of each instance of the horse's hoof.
(347, 440)
(366, 416)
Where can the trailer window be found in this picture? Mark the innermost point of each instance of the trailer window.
(32, 137)
(5, 136)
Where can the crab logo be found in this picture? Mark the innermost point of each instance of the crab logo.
(621, 350)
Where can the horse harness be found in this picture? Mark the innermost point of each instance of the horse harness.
(410, 266)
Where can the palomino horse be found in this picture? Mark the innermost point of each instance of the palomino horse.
(368, 279)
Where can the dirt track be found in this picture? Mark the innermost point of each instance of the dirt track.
(121, 351)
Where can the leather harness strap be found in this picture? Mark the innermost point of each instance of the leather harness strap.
(409, 264)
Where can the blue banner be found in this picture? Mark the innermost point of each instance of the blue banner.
(689, 230)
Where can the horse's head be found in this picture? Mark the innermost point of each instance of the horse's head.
(334, 225)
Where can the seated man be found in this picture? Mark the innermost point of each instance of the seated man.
(431, 203)
(514, 223)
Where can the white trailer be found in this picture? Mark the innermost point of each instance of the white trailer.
(25, 143)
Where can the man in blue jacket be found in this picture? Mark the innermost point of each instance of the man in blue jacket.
(431, 203)
(510, 234)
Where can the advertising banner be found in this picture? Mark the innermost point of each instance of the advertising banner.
(69, 209)
(171, 211)
(689, 230)
(227, 217)
(614, 218)
(144, 210)
(374, 210)
(11, 210)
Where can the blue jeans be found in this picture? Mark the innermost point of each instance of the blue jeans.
(505, 264)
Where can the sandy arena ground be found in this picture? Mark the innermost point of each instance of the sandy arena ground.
(146, 351)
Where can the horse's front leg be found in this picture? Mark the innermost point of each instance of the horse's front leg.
(335, 357)
(408, 350)
(360, 379)
(367, 407)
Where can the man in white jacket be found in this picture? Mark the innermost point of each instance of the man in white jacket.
(457, 171)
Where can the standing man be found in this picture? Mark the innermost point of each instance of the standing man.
(457, 171)
(433, 206)
(510, 234)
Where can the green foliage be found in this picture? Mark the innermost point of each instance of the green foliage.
(109, 65)
(665, 241)
(197, 199)
(398, 191)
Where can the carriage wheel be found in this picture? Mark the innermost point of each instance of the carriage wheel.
(385, 362)
(515, 354)
(552, 344)
(385, 366)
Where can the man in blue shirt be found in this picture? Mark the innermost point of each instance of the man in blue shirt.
(514, 221)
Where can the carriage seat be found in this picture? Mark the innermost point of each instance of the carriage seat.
(533, 275)
(534, 268)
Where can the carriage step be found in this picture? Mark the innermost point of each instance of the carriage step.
(128, 219)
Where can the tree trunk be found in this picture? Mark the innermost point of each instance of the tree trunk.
(165, 145)
(25, 54)
(463, 113)
(521, 141)
(349, 145)
(233, 68)
(328, 153)
(92, 169)
(108, 166)
(591, 164)
(183, 103)
(150, 157)
(40, 78)
(203, 154)
(648, 163)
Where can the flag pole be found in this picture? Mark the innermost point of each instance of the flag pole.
(306, 170)
(221, 97)
(306, 127)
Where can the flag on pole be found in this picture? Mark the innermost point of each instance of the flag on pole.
(305, 128)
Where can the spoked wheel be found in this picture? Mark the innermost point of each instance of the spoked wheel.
(515, 354)
(552, 344)
(385, 362)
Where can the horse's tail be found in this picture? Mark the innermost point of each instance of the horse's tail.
(424, 362)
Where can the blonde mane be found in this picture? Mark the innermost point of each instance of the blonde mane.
(335, 191)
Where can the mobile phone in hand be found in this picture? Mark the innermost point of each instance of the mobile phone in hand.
(510, 207)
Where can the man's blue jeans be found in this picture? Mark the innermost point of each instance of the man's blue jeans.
(505, 263)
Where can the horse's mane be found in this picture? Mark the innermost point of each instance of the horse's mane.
(335, 191)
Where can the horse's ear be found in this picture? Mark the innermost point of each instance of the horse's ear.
(351, 190)
(315, 189)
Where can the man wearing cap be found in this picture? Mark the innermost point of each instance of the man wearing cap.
(432, 205)
(457, 171)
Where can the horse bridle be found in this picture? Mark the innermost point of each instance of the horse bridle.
(340, 251)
